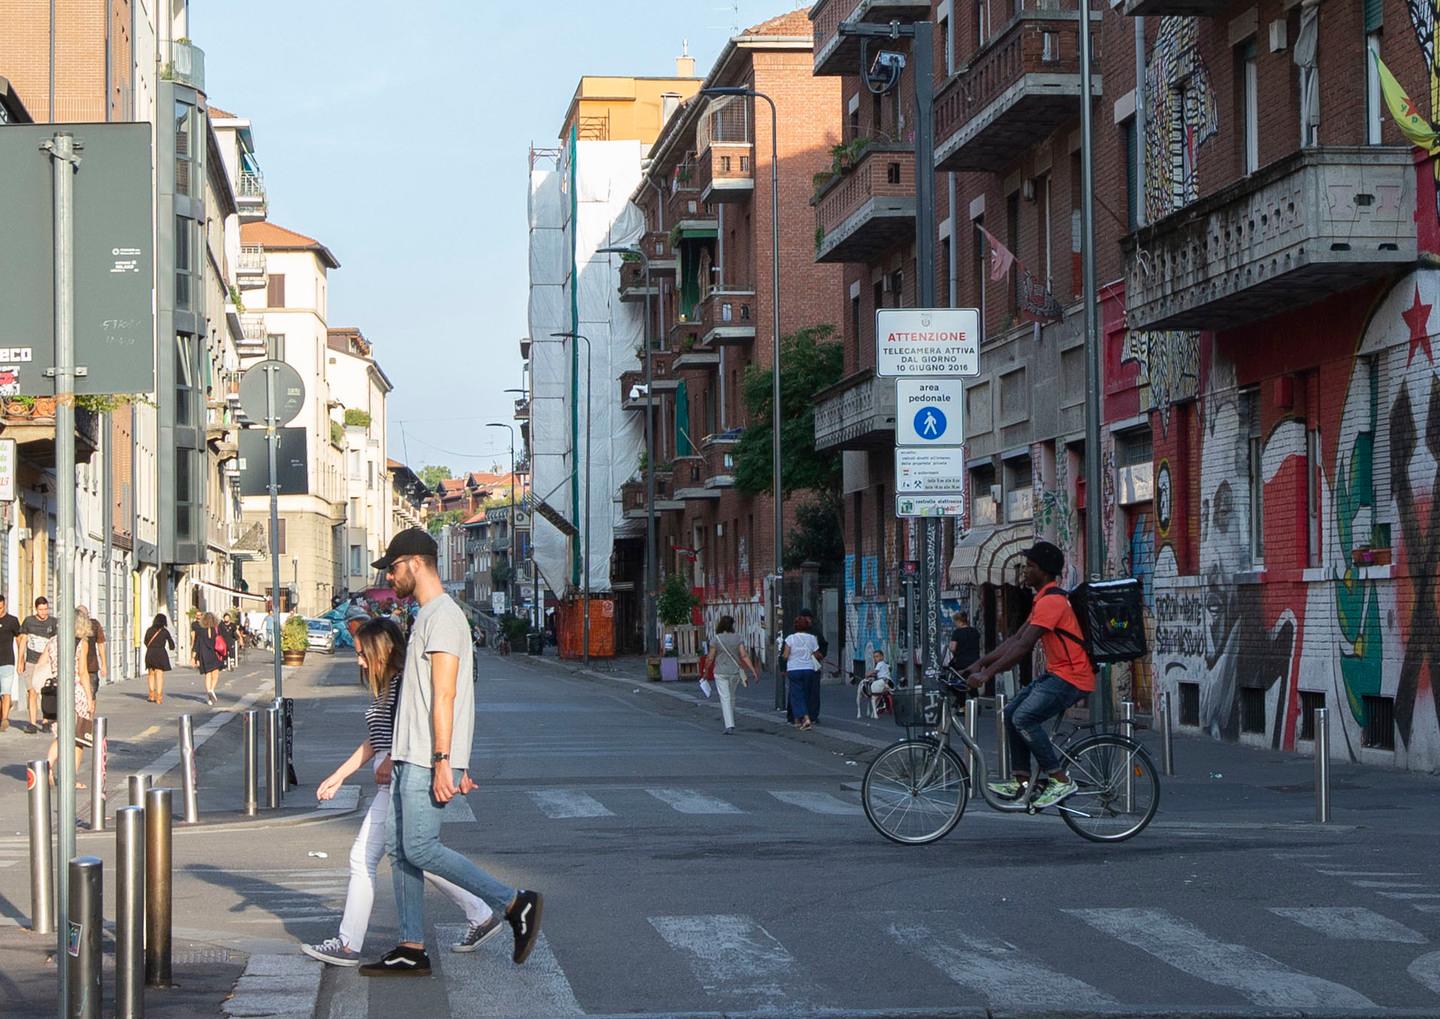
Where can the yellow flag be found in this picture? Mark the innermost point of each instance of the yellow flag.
(1420, 131)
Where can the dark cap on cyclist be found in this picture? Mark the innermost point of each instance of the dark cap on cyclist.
(1046, 556)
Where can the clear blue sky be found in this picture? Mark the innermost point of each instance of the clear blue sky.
(398, 135)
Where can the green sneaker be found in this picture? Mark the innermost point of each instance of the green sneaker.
(1010, 789)
(1054, 792)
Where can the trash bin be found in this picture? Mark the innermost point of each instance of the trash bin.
(534, 643)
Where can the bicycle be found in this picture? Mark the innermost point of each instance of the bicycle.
(916, 790)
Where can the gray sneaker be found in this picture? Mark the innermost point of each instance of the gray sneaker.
(478, 934)
(333, 952)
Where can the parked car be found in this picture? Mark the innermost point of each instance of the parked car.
(321, 635)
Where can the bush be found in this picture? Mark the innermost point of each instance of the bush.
(294, 635)
(514, 628)
(357, 419)
(675, 602)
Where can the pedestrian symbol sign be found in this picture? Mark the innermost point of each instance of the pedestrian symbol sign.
(930, 424)
(929, 412)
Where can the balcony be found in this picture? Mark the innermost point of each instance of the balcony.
(252, 336)
(692, 476)
(695, 358)
(727, 316)
(868, 208)
(1201, 8)
(656, 244)
(857, 412)
(184, 63)
(1018, 88)
(685, 210)
(837, 56)
(632, 390)
(250, 267)
(522, 410)
(632, 496)
(632, 281)
(719, 453)
(30, 421)
(725, 166)
(250, 201)
(1320, 221)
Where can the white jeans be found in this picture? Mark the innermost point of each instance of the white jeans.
(725, 686)
(365, 856)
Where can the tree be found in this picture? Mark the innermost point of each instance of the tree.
(440, 521)
(817, 535)
(809, 362)
(433, 474)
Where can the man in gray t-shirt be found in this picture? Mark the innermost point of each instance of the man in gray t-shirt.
(434, 725)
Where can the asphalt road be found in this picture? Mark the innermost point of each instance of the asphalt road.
(689, 872)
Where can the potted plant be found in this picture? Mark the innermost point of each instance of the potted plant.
(294, 639)
(674, 606)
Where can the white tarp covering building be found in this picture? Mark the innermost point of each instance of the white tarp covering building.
(576, 208)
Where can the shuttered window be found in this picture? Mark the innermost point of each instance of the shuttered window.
(275, 291)
(1374, 16)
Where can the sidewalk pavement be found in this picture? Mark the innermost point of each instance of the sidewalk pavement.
(1218, 786)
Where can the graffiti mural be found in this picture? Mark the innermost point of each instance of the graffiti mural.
(867, 616)
(1169, 368)
(1181, 110)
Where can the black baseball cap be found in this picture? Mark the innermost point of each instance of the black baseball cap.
(1046, 556)
(411, 541)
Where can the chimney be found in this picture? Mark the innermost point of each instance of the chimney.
(685, 63)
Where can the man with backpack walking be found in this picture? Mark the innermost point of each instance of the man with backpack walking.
(1067, 679)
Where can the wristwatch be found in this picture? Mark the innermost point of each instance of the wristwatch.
(437, 758)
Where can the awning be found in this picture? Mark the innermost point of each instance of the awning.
(991, 555)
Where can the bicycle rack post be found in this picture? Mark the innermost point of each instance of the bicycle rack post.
(972, 729)
(187, 770)
(42, 858)
(1167, 735)
(1002, 741)
(97, 773)
(249, 742)
(86, 933)
(1322, 766)
(1127, 726)
(136, 785)
(130, 913)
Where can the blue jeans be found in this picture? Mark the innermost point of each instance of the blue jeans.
(804, 693)
(412, 837)
(1025, 717)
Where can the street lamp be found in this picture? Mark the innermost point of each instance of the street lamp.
(585, 554)
(774, 614)
(534, 579)
(652, 561)
(513, 555)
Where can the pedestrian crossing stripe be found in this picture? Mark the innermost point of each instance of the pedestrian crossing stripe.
(568, 803)
(735, 959)
(487, 979)
(1350, 923)
(692, 801)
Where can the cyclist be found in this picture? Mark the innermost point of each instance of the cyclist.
(1067, 679)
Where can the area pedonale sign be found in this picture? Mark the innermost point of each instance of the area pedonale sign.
(931, 342)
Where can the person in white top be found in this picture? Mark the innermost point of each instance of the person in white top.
(802, 670)
(875, 687)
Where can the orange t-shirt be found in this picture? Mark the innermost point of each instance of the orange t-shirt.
(1065, 657)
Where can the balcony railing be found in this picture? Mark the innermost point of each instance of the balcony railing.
(632, 495)
(1202, 8)
(727, 172)
(719, 454)
(726, 315)
(684, 204)
(662, 371)
(869, 207)
(1320, 221)
(185, 63)
(656, 244)
(251, 263)
(250, 195)
(857, 412)
(692, 475)
(1016, 89)
(252, 334)
(691, 358)
(632, 281)
(836, 56)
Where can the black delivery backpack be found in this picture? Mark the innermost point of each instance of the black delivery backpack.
(1112, 619)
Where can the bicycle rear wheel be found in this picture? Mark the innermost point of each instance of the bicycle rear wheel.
(1119, 789)
(915, 791)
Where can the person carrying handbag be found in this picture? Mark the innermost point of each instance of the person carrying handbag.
(727, 663)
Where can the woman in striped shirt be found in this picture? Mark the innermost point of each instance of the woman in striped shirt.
(380, 650)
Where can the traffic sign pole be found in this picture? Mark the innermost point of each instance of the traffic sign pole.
(272, 431)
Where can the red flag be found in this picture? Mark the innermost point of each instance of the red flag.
(1001, 258)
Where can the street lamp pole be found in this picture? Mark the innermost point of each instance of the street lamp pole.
(652, 563)
(585, 554)
(773, 616)
(514, 552)
(515, 566)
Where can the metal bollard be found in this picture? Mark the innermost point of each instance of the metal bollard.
(187, 770)
(97, 774)
(42, 853)
(272, 758)
(1322, 765)
(1002, 741)
(1167, 736)
(130, 913)
(138, 784)
(251, 761)
(84, 936)
(158, 820)
(1127, 726)
(972, 729)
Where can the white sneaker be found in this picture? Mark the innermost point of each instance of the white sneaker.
(332, 951)
(478, 934)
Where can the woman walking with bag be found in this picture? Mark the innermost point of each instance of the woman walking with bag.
(802, 671)
(84, 698)
(204, 653)
(158, 645)
(728, 663)
(380, 650)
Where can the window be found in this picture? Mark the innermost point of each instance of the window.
(1249, 108)
(1374, 112)
(184, 261)
(1310, 700)
(1379, 731)
(855, 320)
(897, 288)
(357, 559)
(1042, 215)
(1252, 710)
(945, 267)
(275, 290)
(947, 44)
(982, 497)
(275, 346)
(184, 518)
(1313, 469)
(184, 381)
(184, 151)
(1250, 420)
(979, 271)
(1012, 241)
(1128, 138)
(879, 294)
(982, 22)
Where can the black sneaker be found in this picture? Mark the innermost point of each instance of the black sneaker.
(524, 917)
(399, 962)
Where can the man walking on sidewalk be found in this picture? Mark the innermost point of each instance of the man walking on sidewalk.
(434, 725)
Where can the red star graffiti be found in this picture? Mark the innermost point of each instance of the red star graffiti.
(1418, 319)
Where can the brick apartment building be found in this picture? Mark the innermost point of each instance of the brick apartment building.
(706, 199)
(1263, 235)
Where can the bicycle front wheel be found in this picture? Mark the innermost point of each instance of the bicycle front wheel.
(1119, 789)
(915, 791)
